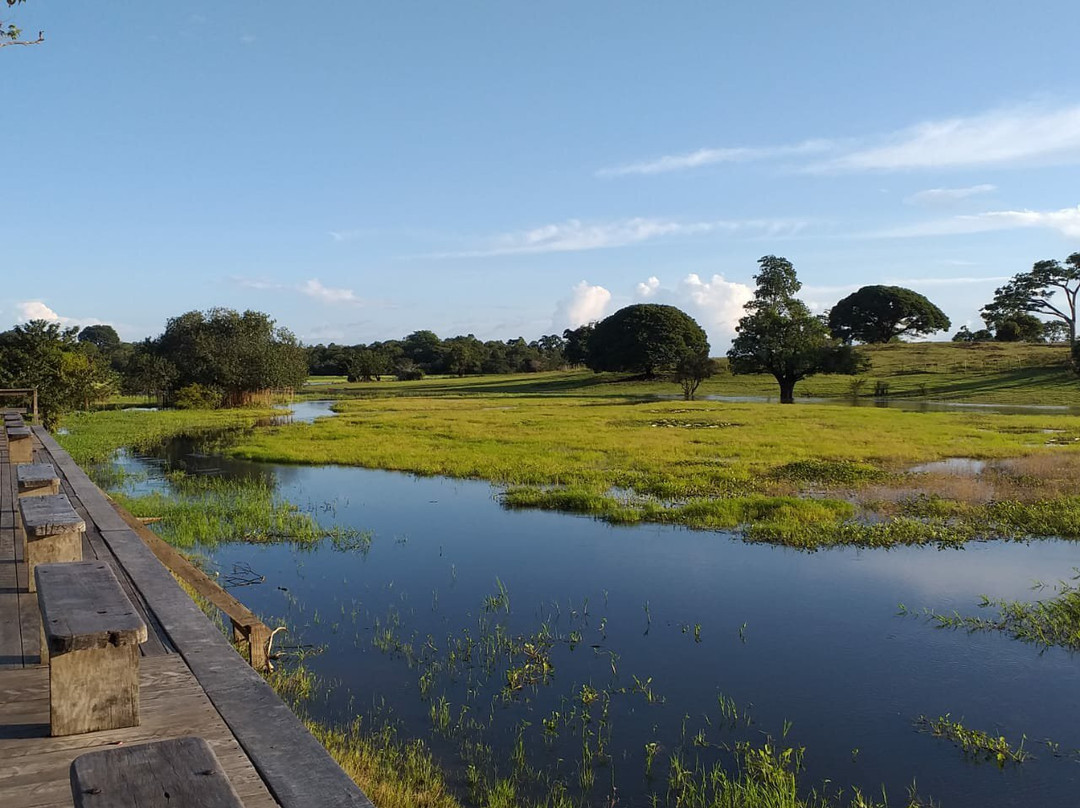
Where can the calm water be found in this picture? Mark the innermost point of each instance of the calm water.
(813, 639)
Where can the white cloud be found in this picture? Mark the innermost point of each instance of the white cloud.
(1009, 136)
(934, 196)
(1066, 221)
(718, 303)
(313, 288)
(585, 304)
(704, 157)
(648, 288)
(574, 235)
(37, 310)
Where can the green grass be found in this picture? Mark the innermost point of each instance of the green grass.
(1001, 373)
(94, 437)
(808, 475)
(208, 510)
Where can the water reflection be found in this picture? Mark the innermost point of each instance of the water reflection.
(810, 638)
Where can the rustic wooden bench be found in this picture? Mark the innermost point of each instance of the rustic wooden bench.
(91, 635)
(54, 532)
(37, 479)
(20, 445)
(178, 773)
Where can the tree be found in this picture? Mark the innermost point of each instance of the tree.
(10, 33)
(691, 370)
(103, 336)
(44, 355)
(877, 314)
(1019, 327)
(967, 335)
(576, 345)
(647, 338)
(1033, 292)
(232, 353)
(779, 335)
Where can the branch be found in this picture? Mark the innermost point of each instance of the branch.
(38, 41)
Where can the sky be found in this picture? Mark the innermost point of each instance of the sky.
(362, 170)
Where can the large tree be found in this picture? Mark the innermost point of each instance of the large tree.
(778, 334)
(103, 336)
(1034, 292)
(883, 313)
(232, 353)
(647, 338)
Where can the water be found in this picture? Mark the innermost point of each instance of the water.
(822, 647)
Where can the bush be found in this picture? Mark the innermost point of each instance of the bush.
(197, 397)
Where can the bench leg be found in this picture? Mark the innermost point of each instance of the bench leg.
(20, 451)
(61, 547)
(94, 690)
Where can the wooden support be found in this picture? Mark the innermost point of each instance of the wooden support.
(165, 774)
(92, 635)
(20, 445)
(37, 480)
(54, 532)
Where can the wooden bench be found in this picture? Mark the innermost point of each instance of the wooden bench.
(54, 532)
(91, 634)
(20, 445)
(37, 479)
(178, 773)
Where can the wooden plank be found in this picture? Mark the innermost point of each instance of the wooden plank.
(179, 771)
(296, 767)
(83, 607)
(48, 516)
(34, 769)
(11, 649)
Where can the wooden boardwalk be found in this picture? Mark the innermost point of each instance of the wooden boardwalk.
(192, 681)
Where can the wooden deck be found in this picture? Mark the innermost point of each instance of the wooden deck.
(192, 681)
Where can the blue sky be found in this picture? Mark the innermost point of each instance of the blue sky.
(361, 170)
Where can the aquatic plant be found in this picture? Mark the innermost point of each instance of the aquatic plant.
(976, 744)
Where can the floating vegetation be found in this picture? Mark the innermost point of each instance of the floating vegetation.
(977, 744)
(1048, 623)
(673, 423)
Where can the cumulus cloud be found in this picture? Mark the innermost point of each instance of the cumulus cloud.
(574, 235)
(717, 302)
(1029, 134)
(1065, 221)
(649, 287)
(585, 304)
(933, 196)
(37, 310)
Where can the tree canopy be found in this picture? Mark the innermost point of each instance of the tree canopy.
(1034, 292)
(778, 334)
(47, 356)
(877, 314)
(104, 337)
(235, 354)
(647, 338)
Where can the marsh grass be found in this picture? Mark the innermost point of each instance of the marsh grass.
(94, 437)
(204, 511)
(806, 476)
(975, 743)
(1054, 622)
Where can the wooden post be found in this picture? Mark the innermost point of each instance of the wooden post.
(92, 637)
(258, 638)
(53, 532)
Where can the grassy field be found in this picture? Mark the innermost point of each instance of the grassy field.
(808, 475)
(1003, 373)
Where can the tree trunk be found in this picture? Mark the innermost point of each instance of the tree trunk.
(787, 390)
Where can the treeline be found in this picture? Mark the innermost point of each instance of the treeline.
(425, 353)
(202, 360)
